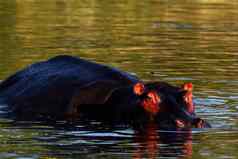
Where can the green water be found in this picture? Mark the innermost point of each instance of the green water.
(175, 41)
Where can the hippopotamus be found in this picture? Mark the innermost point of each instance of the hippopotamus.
(71, 88)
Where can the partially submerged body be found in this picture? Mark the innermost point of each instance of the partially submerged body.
(66, 87)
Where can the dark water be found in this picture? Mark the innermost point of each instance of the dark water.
(173, 41)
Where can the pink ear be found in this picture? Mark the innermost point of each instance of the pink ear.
(139, 88)
(188, 87)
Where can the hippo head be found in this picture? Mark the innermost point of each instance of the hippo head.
(170, 104)
(156, 101)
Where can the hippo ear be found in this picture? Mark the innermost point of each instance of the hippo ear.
(187, 87)
(139, 88)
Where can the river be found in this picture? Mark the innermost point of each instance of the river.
(175, 41)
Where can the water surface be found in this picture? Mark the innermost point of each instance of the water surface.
(173, 41)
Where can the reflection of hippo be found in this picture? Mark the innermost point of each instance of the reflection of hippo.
(156, 144)
(68, 87)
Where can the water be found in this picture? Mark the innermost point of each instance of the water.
(173, 41)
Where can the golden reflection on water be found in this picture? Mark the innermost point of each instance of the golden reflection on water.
(173, 41)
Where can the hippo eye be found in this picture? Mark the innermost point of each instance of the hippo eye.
(188, 99)
(150, 102)
(153, 97)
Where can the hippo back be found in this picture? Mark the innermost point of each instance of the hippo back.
(61, 73)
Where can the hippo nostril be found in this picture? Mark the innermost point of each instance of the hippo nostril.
(200, 123)
(180, 123)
